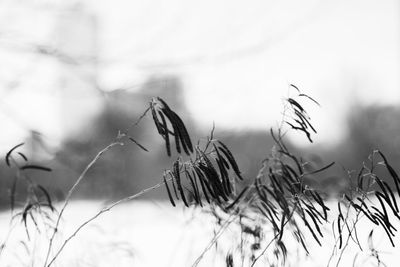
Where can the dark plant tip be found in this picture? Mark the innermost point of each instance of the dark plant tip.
(23, 156)
(295, 87)
(35, 167)
(9, 153)
(138, 144)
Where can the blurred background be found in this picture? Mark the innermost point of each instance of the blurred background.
(75, 72)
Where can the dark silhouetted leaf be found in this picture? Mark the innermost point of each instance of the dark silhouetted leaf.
(35, 167)
(10, 152)
(171, 199)
(138, 144)
(47, 196)
(23, 156)
(323, 168)
(238, 198)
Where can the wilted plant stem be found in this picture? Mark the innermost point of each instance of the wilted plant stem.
(221, 230)
(216, 237)
(70, 192)
(77, 182)
(353, 228)
(275, 237)
(103, 210)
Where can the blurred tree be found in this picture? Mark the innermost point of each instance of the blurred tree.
(369, 128)
(128, 169)
(375, 127)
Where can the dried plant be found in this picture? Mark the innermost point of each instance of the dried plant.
(38, 208)
(207, 175)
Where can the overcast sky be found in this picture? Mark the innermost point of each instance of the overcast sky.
(236, 58)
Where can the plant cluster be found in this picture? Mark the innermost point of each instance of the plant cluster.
(207, 175)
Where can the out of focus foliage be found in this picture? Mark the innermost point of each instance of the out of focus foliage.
(129, 169)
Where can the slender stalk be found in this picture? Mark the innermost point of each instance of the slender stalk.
(77, 182)
(221, 231)
(103, 210)
(216, 237)
(71, 191)
(274, 238)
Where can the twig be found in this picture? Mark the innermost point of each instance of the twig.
(67, 199)
(105, 209)
(216, 237)
(274, 238)
(220, 232)
(138, 120)
(77, 182)
(348, 238)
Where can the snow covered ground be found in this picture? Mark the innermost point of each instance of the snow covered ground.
(155, 234)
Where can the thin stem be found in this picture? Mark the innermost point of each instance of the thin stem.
(138, 120)
(77, 182)
(274, 238)
(103, 210)
(70, 192)
(221, 231)
(265, 249)
(210, 138)
(348, 239)
(216, 237)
